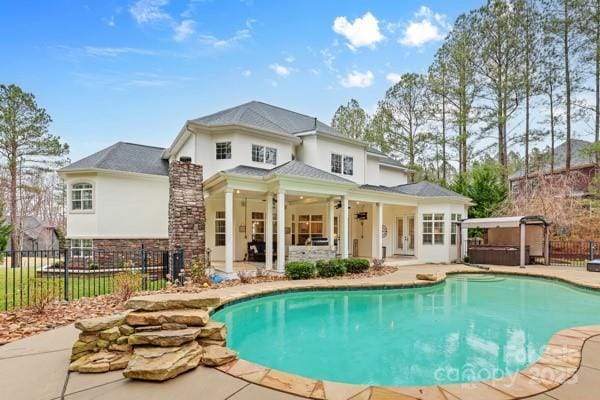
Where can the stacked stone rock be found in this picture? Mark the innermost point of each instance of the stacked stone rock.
(160, 337)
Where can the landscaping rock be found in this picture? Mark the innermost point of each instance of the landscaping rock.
(126, 330)
(164, 338)
(79, 355)
(211, 342)
(162, 363)
(214, 330)
(427, 277)
(88, 337)
(213, 356)
(100, 362)
(111, 334)
(122, 340)
(171, 301)
(80, 347)
(100, 323)
(125, 348)
(190, 317)
(102, 344)
(148, 328)
(172, 326)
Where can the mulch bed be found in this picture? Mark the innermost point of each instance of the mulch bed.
(18, 324)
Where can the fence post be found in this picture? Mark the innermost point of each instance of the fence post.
(591, 246)
(144, 268)
(66, 275)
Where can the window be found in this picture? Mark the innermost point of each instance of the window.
(220, 228)
(81, 247)
(309, 226)
(223, 151)
(348, 165)
(81, 196)
(271, 155)
(258, 226)
(258, 153)
(454, 218)
(336, 163)
(342, 164)
(263, 154)
(433, 228)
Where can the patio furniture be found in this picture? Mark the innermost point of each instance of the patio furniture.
(594, 265)
(257, 250)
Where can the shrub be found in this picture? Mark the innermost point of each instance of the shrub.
(58, 264)
(300, 270)
(198, 271)
(45, 292)
(327, 269)
(93, 266)
(125, 284)
(356, 265)
(378, 262)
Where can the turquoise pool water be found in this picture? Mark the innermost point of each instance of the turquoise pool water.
(469, 328)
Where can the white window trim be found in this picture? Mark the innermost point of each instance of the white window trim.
(341, 173)
(220, 233)
(80, 247)
(230, 150)
(264, 153)
(454, 217)
(432, 234)
(70, 198)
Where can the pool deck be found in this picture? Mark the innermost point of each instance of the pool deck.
(36, 367)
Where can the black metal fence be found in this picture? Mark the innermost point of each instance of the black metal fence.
(29, 277)
(574, 253)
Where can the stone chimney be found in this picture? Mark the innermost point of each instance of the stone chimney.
(187, 218)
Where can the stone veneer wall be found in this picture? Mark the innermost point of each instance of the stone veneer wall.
(109, 253)
(187, 218)
(310, 253)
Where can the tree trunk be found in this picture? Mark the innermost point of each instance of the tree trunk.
(444, 137)
(567, 85)
(597, 73)
(551, 129)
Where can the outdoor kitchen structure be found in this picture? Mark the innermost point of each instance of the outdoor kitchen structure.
(506, 240)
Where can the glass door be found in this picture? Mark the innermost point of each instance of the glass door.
(399, 236)
(410, 235)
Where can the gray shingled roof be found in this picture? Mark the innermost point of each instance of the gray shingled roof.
(422, 189)
(127, 157)
(290, 168)
(265, 116)
(578, 157)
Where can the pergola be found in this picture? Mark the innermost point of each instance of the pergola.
(521, 232)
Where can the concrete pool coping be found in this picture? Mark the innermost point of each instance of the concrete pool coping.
(36, 367)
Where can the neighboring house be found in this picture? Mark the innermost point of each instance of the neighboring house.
(583, 169)
(38, 235)
(261, 164)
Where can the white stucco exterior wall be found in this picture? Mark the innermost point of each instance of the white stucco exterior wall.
(126, 206)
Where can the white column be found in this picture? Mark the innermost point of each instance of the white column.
(269, 233)
(229, 231)
(344, 226)
(522, 244)
(331, 217)
(281, 231)
(379, 234)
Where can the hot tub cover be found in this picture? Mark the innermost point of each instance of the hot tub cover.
(503, 222)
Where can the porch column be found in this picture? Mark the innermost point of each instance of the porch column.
(546, 245)
(269, 233)
(330, 219)
(522, 227)
(229, 230)
(379, 235)
(281, 231)
(344, 227)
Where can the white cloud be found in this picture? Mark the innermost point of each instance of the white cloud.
(246, 73)
(216, 42)
(364, 31)
(426, 27)
(110, 21)
(148, 83)
(183, 30)
(280, 70)
(393, 77)
(144, 11)
(328, 59)
(290, 59)
(357, 79)
(116, 51)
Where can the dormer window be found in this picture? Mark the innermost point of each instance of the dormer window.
(264, 154)
(341, 164)
(82, 195)
(223, 150)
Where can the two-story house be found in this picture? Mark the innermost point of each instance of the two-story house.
(263, 165)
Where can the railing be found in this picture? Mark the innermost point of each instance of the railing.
(571, 253)
(29, 277)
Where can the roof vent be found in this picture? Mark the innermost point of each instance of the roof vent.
(185, 159)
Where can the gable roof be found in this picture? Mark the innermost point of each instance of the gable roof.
(421, 189)
(261, 115)
(127, 157)
(579, 158)
(290, 168)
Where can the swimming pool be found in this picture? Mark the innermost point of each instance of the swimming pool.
(469, 328)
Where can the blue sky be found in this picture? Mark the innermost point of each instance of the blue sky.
(136, 70)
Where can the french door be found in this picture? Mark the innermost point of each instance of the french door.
(405, 235)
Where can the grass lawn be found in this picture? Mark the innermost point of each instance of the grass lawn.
(21, 287)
